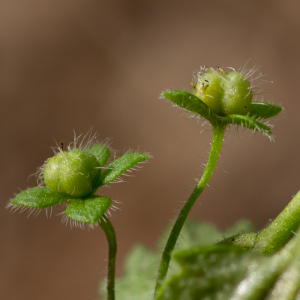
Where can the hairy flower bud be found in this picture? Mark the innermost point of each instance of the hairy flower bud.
(224, 93)
(75, 173)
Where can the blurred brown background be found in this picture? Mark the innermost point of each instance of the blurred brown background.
(70, 65)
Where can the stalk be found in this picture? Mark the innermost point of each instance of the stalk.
(218, 134)
(281, 230)
(108, 228)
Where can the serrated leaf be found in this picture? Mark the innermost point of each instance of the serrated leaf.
(38, 197)
(249, 123)
(121, 165)
(263, 110)
(89, 210)
(190, 102)
(101, 152)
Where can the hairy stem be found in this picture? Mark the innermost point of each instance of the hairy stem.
(218, 134)
(281, 230)
(108, 228)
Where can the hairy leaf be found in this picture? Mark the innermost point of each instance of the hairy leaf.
(263, 110)
(101, 152)
(212, 272)
(121, 165)
(227, 272)
(249, 123)
(38, 197)
(141, 264)
(89, 210)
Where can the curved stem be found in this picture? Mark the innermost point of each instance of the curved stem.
(281, 230)
(108, 228)
(218, 134)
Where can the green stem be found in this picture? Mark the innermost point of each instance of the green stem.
(218, 134)
(108, 228)
(281, 230)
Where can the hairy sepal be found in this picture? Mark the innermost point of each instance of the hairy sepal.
(101, 152)
(89, 210)
(190, 102)
(262, 110)
(121, 165)
(38, 197)
(249, 123)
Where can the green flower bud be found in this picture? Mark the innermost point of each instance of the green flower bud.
(224, 93)
(75, 173)
(237, 94)
(209, 88)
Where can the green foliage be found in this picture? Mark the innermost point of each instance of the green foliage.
(223, 99)
(141, 264)
(73, 177)
(140, 270)
(191, 103)
(121, 165)
(227, 272)
(247, 122)
(281, 230)
(208, 273)
(263, 110)
(38, 197)
(88, 210)
(101, 152)
(258, 110)
(224, 272)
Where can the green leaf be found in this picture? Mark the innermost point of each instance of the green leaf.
(190, 102)
(263, 110)
(101, 152)
(224, 272)
(141, 264)
(212, 272)
(38, 197)
(89, 210)
(249, 123)
(121, 165)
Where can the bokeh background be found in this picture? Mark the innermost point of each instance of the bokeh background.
(70, 65)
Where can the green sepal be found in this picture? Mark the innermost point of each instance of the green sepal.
(89, 210)
(190, 102)
(121, 165)
(101, 152)
(263, 110)
(249, 123)
(39, 197)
